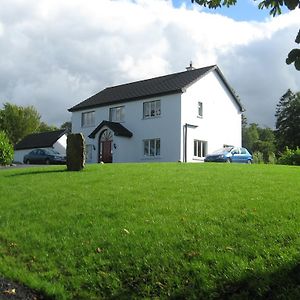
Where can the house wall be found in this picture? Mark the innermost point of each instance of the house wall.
(166, 127)
(221, 121)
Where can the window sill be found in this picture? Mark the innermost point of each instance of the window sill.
(200, 117)
(149, 158)
(87, 126)
(147, 118)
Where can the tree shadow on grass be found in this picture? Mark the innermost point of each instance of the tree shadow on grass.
(282, 284)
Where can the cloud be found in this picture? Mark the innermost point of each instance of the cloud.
(55, 54)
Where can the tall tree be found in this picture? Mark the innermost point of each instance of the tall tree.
(288, 121)
(45, 127)
(275, 9)
(17, 121)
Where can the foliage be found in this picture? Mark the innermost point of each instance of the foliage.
(275, 9)
(18, 121)
(258, 139)
(294, 55)
(288, 121)
(258, 157)
(67, 126)
(290, 157)
(45, 127)
(6, 150)
(152, 231)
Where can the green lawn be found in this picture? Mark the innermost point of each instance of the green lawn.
(126, 231)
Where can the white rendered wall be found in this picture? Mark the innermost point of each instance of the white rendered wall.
(61, 145)
(166, 127)
(221, 121)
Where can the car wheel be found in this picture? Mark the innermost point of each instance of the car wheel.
(27, 162)
(47, 162)
(249, 161)
(228, 160)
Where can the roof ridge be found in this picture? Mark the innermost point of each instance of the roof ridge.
(158, 77)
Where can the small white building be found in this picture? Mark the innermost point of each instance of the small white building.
(56, 140)
(177, 117)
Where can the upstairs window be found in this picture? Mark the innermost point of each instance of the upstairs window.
(200, 148)
(152, 147)
(151, 109)
(200, 109)
(117, 114)
(88, 119)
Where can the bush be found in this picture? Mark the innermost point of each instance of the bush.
(290, 157)
(258, 157)
(6, 150)
(272, 158)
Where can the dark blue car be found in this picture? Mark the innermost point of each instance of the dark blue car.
(230, 154)
(44, 156)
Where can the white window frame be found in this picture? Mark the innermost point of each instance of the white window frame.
(151, 109)
(117, 114)
(152, 147)
(88, 119)
(200, 148)
(200, 109)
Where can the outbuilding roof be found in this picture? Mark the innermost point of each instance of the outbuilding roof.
(158, 86)
(39, 140)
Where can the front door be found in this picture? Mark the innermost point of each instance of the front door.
(106, 151)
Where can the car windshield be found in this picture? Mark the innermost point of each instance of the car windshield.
(223, 150)
(52, 152)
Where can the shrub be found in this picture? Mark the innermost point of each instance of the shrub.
(6, 150)
(290, 157)
(258, 157)
(272, 158)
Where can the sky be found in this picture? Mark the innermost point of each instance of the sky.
(55, 54)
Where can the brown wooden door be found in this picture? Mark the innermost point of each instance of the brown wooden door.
(106, 151)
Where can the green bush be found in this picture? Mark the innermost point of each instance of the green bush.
(258, 157)
(272, 158)
(290, 157)
(6, 150)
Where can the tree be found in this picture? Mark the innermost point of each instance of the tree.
(45, 127)
(288, 121)
(275, 9)
(6, 150)
(17, 121)
(257, 139)
(67, 126)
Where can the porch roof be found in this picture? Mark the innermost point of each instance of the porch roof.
(117, 128)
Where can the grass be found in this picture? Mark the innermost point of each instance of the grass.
(120, 231)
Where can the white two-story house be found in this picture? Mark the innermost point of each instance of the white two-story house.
(177, 117)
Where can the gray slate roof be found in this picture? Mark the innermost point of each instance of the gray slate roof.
(117, 128)
(40, 140)
(158, 86)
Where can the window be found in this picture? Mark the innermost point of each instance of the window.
(151, 109)
(152, 147)
(200, 148)
(88, 119)
(200, 109)
(117, 114)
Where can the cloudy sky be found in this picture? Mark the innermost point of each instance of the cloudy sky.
(56, 53)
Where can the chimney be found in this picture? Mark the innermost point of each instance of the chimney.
(190, 67)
